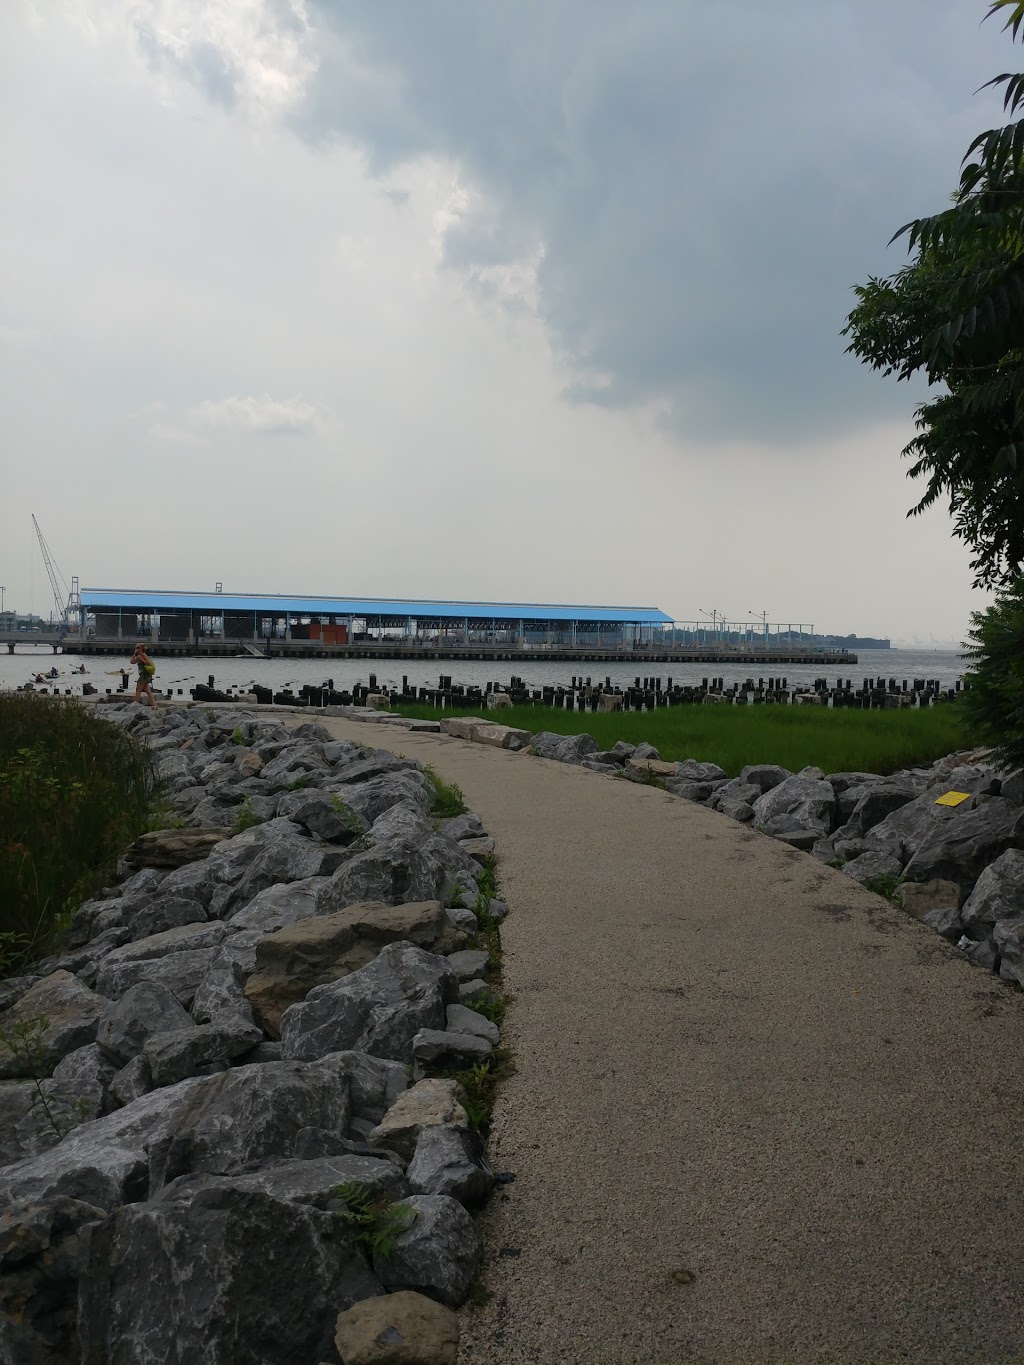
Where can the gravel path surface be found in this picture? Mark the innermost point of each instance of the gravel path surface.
(758, 1115)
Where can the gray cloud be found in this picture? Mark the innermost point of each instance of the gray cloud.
(706, 181)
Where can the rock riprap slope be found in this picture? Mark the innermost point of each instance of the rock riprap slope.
(218, 1127)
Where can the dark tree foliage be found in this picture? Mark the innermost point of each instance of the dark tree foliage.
(994, 702)
(955, 314)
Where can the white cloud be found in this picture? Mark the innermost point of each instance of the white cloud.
(20, 336)
(257, 413)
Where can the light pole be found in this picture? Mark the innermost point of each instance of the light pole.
(764, 622)
(2, 591)
(717, 619)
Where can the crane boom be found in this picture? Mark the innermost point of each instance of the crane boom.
(51, 571)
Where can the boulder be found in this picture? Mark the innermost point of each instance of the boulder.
(946, 922)
(313, 952)
(764, 776)
(439, 1254)
(165, 912)
(801, 837)
(281, 905)
(690, 770)
(427, 1104)
(248, 1115)
(377, 1009)
(132, 1081)
(438, 1047)
(563, 748)
(195, 1050)
(374, 763)
(998, 894)
(500, 736)
(919, 898)
(315, 1180)
(1008, 938)
(863, 808)
(401, 822)
(371, 798)
(221, 993)
(17, 1098)
(400, 872)
(290, 858)
(983, 953)
(466, 826)
(461, 1019)
(144, 1009)
(807, 802)
(174, 847)
(652, 766)
(103, 1162)
(478, 989)
(182, 938)
(52, 1018)
(872, 864)
(180, 972)
(41, 1260)
(405, 1328)
(841, 782)
(959, 848)
(190, 1277)
(469, 963)
(374, 1082)
(449, 1160)
(736, 799)
(324, 814)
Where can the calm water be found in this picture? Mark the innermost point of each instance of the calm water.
(21, 667)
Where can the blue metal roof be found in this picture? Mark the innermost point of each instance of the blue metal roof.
(214, 603)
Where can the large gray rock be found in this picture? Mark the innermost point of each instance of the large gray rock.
(104, 1162)
(251, 1114)
(449, 1160)
(144, 1009)
(165, 912)
(292, 763)
(52, 1018)
(365, 766)
(17, 1098)
(181, 973)
(222, 1274)
(324, 814)
(872, 864)
(862, 808)
(564, 748)
(438, 1047)
(461, 1019)
(808, 803)
(198, 1049)
(1008, 937)
(312, 952)
(400, 872)
(842, 782)
(736, 799)
(41, 1260)
(998, 894)
(469, 963)
(221, 993)
(690, 770)
(281, 905)
(371, 798)
(764, 776)
(76, 1093)
(946, 922)
(439, 1254)
(961, 847)
(403, 822)
(465, 826)
(315, 1180)
(181, 939)
(287, 859)
(377, 1009)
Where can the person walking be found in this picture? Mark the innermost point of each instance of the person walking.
(146, 668)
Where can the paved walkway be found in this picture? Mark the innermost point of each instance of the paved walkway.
(758, 1115)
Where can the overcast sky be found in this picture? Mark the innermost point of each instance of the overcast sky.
(533, 300)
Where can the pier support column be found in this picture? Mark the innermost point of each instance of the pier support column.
(10, 646)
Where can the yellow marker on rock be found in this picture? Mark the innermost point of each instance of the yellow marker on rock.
(952, 798)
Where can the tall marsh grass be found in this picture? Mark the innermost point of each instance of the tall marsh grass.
(732, 736)
(74, 792)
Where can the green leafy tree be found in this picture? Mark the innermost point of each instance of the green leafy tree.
(955, 314)
(994, 702)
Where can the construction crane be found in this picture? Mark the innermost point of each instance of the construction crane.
(67, 601)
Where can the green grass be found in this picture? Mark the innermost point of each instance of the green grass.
(731, 736)
(449, 799)
(74, 793)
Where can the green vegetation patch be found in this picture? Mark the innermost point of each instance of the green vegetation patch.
(732, 736)
(449, 799)
(74, 793)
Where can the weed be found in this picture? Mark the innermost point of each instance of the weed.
(74, 792)
(455, 895)
(479, 1296)
(236, 736)
(297, 783)
(479, 1084)
(646, 778)
(378, 1221)
(163, 816)
(351, 821)
(490, 1007)
(24, 1041)
(246, 817)
(884, 884)
(837, 863)
(449, 799)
